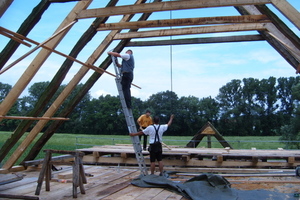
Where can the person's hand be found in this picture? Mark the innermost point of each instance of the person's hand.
(131, 134)
(172, 116)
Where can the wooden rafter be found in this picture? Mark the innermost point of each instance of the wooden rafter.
(33, 118)
(18, 88)
(283, 34)
(38, 46)
(289, 11)
(165, 6)
(11, 36)
(64, 94)
(185, 22)
(257, 19)
(4, 4)
(50, 91)
(194, 30)
(97, 69)
(237, 38)
(71, 105)
(60, 1)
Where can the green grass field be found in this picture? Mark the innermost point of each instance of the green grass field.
(74, 141)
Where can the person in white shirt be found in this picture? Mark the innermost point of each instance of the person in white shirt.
(155, 133)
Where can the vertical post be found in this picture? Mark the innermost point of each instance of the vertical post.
(208, 141)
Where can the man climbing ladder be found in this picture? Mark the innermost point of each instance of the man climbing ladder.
(126, 67)
(126, 106)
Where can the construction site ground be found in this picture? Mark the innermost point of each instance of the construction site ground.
(113, 181)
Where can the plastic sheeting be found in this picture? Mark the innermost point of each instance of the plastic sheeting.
(202, 187)
(208, 187)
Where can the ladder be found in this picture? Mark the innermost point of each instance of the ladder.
(130, 121)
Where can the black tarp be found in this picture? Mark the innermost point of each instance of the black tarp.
(208, 187)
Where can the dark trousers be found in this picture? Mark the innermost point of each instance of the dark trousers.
(145, 141)
(126, 85)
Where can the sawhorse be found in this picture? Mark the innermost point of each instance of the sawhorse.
(78, 172)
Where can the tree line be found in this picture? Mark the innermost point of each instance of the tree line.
(247, 107)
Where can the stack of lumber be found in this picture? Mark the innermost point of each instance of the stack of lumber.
(196, 157)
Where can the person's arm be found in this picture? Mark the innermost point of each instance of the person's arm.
(115, 54)
(135, 134)
(171, 120)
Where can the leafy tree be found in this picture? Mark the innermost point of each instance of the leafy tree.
(189, 116)
(74, 124)
(267, 99)
(229, 99)
(290, 133)
(4, 90)
(104, 116)
(285, 98)
(8, 124)
(164, 104)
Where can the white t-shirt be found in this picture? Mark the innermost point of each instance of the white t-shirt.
(125, 56)
(151, 132)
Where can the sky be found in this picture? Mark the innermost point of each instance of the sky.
(188, 70)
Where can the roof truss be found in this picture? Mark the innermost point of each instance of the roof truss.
(254, 16)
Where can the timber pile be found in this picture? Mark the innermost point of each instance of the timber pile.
(196, 157)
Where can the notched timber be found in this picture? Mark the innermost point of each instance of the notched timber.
(164, 6)
(194, 30)
(185, 22)
(238, 38)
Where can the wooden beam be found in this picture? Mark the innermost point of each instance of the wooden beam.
(297, 56)
(35, 48)
(6, 34)
(35, 65)
(26, 78)
(237, 38)
(165, 6)
(4, 4)
(60, 1)
(84, 89)
(185, 22)
(12, 196)
(194, 30)
(99, 70)
(288, 10)
(25, 28)
(33, 118)
(64, 94)
(49, 92)
(280, 25)
(279, 33)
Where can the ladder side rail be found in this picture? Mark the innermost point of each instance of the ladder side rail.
(130, 121)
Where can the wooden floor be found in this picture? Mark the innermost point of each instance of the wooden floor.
(102, 183)
(111, 183)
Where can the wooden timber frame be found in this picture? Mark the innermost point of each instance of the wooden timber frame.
(208, 130)
(255, 16)
(196, 157)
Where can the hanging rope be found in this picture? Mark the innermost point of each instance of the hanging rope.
(171, 63)
(171, 57)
